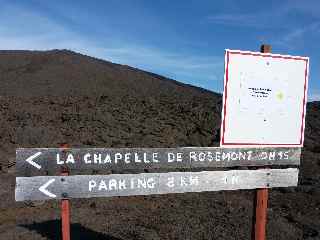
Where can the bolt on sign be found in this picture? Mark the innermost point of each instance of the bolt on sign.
(264, 108)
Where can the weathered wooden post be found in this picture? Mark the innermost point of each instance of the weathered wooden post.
(65, 207)
(261, 198)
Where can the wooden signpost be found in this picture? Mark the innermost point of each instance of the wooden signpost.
(88, 186)
(65, 173)
(65, 202)
(44, 161)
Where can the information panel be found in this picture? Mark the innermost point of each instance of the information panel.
(264, 99)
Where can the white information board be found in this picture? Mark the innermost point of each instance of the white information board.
(264, 99)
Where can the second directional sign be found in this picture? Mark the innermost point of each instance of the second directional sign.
(87, 186)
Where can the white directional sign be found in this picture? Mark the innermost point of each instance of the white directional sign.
(37, 161)
(264, 99)
(87, 186)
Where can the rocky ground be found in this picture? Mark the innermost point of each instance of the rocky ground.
(49, 98)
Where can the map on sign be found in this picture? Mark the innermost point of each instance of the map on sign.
(264, 99)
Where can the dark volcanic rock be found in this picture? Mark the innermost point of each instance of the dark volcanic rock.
(54, 97)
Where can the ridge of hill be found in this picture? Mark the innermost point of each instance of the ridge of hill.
(64, 72)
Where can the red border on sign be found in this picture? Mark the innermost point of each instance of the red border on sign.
(226, 96)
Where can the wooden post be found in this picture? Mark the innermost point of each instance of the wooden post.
(65, 208)
(261, 198)
(265, 48)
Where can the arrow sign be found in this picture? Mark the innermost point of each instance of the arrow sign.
(44, 190)
(31, 158)
(88, 186)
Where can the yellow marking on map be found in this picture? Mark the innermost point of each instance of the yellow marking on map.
(280, 96)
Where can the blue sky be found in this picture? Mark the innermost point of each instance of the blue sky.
(184, 40)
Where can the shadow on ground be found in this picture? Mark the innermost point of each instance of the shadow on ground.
(51, 230)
